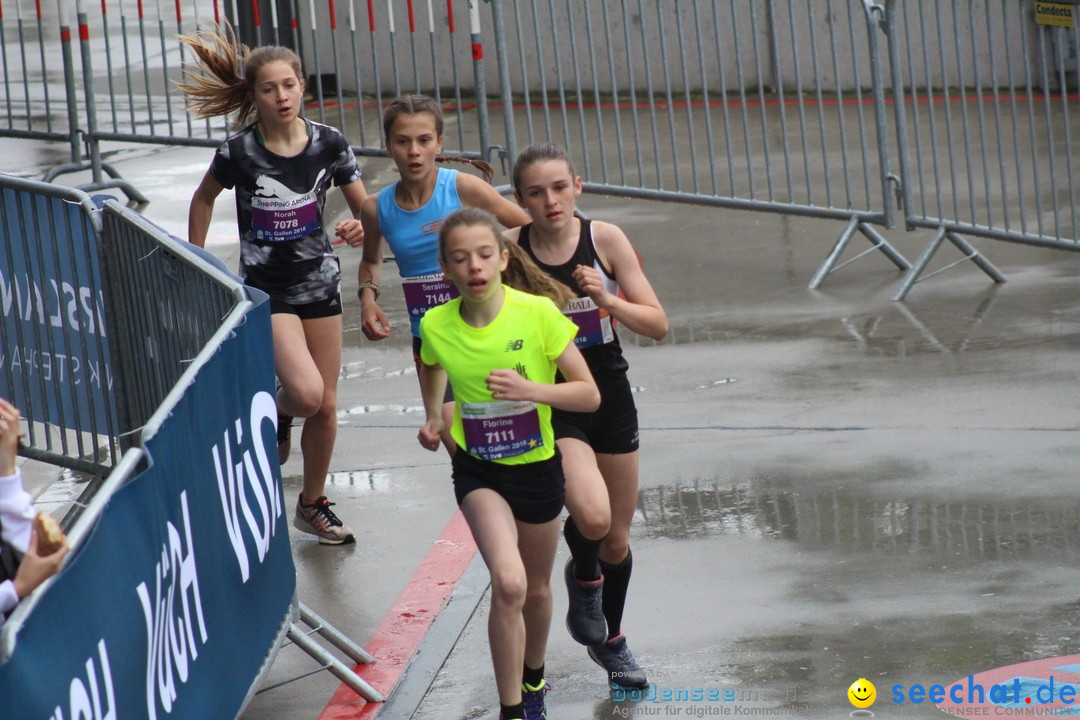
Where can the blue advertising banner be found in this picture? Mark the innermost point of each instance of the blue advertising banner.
(54, 356)
(178, 595)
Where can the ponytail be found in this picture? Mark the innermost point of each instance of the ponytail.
(222, 80)
(522, 273)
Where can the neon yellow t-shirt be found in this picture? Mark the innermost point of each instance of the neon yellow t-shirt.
(527, 335)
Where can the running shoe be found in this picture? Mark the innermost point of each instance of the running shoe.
(318, 519)
(533, 698)
(284, 437)
(585, 614)
(615, 657)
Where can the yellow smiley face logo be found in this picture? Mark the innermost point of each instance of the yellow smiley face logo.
(862, 693)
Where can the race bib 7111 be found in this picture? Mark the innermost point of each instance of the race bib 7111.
(497, 430)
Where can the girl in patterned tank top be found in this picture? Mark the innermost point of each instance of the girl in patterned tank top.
(281, 166)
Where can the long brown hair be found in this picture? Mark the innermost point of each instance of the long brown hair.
(222, 80)
(521, 272)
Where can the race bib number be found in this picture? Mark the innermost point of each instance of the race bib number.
(594, 324)
(277, 220)
(497, 430)
(425, 292)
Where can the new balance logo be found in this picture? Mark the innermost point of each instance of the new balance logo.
(514, 345)
(521, 370)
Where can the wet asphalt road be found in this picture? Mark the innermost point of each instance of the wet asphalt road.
(833, 485)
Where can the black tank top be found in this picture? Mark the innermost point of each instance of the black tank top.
(605, 358)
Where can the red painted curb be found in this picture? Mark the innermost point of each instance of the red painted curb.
(395, 641)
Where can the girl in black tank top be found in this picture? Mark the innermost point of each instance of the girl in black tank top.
(603, 357)
(599, 449)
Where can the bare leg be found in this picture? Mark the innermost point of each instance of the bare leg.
(586, 493)
(537, 543)
(495, 531)
(307, 354)
(620, 473)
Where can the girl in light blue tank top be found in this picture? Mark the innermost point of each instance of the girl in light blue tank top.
(413, 239)
(409, 213)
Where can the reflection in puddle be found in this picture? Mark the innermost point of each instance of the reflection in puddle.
(372, 409)
(898, 331)
(360, 480)
(839, 519)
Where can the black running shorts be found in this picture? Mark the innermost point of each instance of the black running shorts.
(329, 307)
(612, 429)
(534, 491)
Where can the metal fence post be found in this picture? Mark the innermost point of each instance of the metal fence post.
(875, 20)
(94, 164)
(69, 82)
(510, 151)
(481, 83)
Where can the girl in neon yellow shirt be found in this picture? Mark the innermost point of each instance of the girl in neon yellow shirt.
(500, 348)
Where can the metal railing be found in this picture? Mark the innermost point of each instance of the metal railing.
(766, 106)
(984, 114)
(955, 114)
(54, 355)
(166, 313)
(164, 308)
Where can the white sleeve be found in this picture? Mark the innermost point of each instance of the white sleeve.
(8, 599)
(16, 511)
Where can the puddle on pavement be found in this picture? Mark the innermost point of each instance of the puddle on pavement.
(846, 520)
(896, 331)
(377, 409)
(949, 586)
(361, 480)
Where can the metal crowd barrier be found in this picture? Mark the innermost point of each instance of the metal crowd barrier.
(129, 68)
(953, 114)
(164, 308)
(54, 354)
(774, 106)
(985, 101)
(167, 329)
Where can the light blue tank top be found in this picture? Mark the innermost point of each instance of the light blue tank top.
(413, 235)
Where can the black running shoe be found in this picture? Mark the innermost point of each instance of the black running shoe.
(533, 698)
(615, 657)
(585, 615)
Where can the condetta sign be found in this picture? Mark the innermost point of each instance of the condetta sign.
(1060, 14)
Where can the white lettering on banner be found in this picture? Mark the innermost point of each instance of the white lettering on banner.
(56, 367)
(237, 481)
(83, 706)
(58, 308)
(170, 636)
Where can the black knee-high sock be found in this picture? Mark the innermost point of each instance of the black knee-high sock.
(586, 552)
(616, 581)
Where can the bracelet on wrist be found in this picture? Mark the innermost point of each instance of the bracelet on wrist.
(369, 285)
